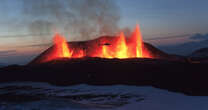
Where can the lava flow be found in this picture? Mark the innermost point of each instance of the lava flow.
(120, 47)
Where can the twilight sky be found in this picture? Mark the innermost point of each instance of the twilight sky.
(166, 16)
(157, 18)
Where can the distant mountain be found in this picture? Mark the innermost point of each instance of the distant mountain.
(202, 53)
(186, 48)
(2, 65)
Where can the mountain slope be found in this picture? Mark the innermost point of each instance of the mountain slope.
(2, 65)
(202, 53)
(186, 48)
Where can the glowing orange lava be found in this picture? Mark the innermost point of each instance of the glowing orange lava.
(136, 44)
(120, 47)
(119, 50)
(61, 46)
(126, 48)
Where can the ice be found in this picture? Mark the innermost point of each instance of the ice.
(43, 96)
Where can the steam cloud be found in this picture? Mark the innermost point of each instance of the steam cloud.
(85, 19)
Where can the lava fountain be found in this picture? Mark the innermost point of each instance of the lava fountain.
(61, 47)
(120, 47)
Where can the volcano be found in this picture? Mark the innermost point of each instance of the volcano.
(86, 45)
(107, 47)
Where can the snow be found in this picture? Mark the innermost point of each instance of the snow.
(86, 97)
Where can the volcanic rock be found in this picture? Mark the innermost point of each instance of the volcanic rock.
(199, 56)
(203, 52)
(184, 77)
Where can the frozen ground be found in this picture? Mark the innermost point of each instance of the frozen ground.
(42, 96)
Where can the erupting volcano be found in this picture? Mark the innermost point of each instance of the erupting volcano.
(119, 47)
(104, 47)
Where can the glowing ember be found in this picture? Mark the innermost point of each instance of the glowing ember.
(119, 47)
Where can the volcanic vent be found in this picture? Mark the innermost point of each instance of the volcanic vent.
(107, 47)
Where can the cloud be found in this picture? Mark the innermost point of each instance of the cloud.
(84, 19)
(24, 35)
(8, 57)
(38, 45)
(199, 36)
(169, 37)
(7, 53)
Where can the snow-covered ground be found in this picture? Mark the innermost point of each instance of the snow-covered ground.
(43, 96)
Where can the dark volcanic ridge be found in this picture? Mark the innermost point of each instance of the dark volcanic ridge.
(184, 77)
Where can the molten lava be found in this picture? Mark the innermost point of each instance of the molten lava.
(119, 50)
(61, 47)
(119, 47)
(136, 44)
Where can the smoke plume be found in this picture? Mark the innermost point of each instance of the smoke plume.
(83, 19)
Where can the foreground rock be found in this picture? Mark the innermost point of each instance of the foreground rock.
(185, 77)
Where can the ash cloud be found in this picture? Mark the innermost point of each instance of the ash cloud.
(84, 19)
